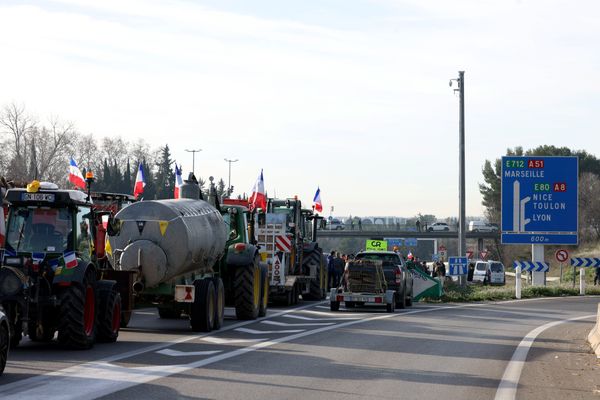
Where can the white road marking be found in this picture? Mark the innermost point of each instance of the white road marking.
(218, 340)
(297, 324)
(323, 307)
(331, 314)
(507, 389)
(99, 378)
(256, 332)
(177, 353)
(316, 319)
(145, 313)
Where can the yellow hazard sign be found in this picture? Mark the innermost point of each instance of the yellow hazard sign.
(376, 245)
(163, 226)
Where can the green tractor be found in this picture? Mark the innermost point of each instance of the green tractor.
(49, 281)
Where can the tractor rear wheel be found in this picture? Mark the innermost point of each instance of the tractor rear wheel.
(247, 290)
(219, 303)
(77, 314)
(109, 317)
(264, 293)
(125, 318)
(202, 316)
(313, 261)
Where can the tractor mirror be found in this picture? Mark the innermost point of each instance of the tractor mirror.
(114, 226)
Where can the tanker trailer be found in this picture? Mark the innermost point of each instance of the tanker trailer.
(186, 258)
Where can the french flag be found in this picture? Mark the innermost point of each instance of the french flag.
(317, 201)
(178, 183)
(140, 182)
(258, 198)
(75, 176)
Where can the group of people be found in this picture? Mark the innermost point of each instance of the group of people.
(336, 263)
(438, 269)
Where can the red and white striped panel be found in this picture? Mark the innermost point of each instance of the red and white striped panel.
(283, 243)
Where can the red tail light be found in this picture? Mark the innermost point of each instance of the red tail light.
(399, 276)
(239, 247)
(339, 298)
(378, 299)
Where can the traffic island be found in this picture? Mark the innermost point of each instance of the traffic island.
(594, 336)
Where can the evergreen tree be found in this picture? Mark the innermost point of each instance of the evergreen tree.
(127, 179)
(165, 177)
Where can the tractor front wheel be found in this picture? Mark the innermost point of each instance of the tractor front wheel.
(77, 314)
(247, 290)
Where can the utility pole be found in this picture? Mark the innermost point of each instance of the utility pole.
(229, 181)
(193, 159)
(462, 234)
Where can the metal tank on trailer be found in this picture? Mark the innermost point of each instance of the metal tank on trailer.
(163, 239)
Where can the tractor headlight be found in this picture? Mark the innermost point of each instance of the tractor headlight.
(11, 281)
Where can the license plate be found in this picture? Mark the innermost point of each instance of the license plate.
(48, 197)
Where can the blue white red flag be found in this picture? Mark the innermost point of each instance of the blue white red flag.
(70, 260)
(317, 204)
(140, 182)
(178, 183)
(75, 176)
(258, 197)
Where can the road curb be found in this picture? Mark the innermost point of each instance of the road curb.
(594, 336)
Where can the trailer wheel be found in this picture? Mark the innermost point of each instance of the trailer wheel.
(219, 303)
(202, 316)
(264, 295)
(335, 306)
(391, 307)
(247, 291)
(295, 294)
(109, 317)
(77, 314)
(4, 345)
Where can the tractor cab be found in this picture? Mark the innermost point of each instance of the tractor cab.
(48, 221)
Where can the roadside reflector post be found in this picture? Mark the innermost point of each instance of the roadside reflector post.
(581, 281)
(518, 282)
(537, 254)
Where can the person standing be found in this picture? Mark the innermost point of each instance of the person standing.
(338, 265)
(359, 224)
(597, 276)
(418, 224)
(331, 269)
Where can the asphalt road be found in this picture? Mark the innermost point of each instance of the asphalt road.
(425, 352)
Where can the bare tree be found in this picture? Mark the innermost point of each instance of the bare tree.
(51, 148)
(86, 153)
(16, 127)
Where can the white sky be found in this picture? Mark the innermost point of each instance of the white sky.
(351, 95)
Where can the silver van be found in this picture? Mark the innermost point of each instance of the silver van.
(481, 226)
(489, 272)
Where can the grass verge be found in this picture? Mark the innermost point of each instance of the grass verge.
(457, 294)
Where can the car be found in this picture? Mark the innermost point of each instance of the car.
(4, 340)
(482, 226)
(438, 226)
(489, 272)
(335, 224)
(397, 275)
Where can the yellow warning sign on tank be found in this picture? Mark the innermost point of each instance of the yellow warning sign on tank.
(108, 247)
(163, 226)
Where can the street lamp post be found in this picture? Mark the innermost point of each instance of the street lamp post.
(229, 181)
(193, 159)
(462, 234)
